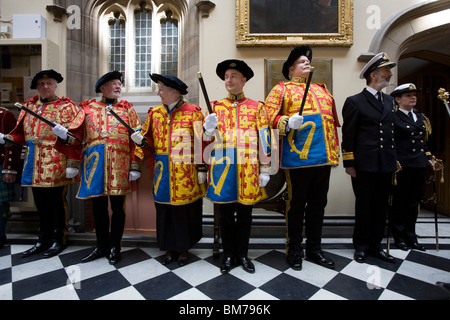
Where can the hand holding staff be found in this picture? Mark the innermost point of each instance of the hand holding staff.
(205, 95)
(131, 130)
(48, 122)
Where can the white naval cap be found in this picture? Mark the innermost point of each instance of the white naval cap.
(407, 87)
(379, 60)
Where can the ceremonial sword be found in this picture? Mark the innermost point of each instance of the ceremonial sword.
(51, 124)
(131, 130)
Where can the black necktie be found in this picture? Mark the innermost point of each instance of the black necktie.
(411, 115)
(379, 97)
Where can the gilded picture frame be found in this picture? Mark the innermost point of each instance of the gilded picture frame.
(275, 23)
(323, 73)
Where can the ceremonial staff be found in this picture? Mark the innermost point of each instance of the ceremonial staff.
(308, 82)
(51, 124)
(131, 130)
(302, 106)
(443, 95)
(205, 95)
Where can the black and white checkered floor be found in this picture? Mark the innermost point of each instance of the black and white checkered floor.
(140, 275)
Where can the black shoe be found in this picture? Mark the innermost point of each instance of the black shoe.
(54, 250)
(183, 259)
(38, 247)
(114, 256)
(247, 265)
(2, 241)
(402, 246)
(380, 254)
(320, 259)
(417, 246)
(95, 254)
(360, 256)
(168, 258)
(294, 260)
(226, 265)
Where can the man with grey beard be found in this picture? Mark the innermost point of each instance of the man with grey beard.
(369, 155)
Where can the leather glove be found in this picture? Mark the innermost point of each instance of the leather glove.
(201, 177)
(137, 137)
(71, 173)
(2, 141)
(295, 122)
(134, 175)
(60, 131)
(263, 179)
(211, 122)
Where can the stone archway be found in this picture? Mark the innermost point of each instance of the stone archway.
(414, 25)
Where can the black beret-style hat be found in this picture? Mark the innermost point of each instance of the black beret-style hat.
(238, 65)
(297, 52)
(170, 81)
(113, 75)
(46, 74)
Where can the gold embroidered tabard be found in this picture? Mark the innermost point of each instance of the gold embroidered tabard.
(176, 137)
(108, 154)
(316, 142)
(235, 161)
(44, 166)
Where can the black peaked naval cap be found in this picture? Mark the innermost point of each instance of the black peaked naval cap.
(239, 65)
(113, 75)
(297, 52)
(170, 81)
(46, 74)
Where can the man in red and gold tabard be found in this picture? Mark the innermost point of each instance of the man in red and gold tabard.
(46, 170)
(10, 160)
(174, 130)
(310, 147)
(236, 173)
(107, 162)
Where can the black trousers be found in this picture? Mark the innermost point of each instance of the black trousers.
(235, 227)
(372, 192)
(179, 227)
(406, 201)
(307, 190)
(107, 239)
(51, 205)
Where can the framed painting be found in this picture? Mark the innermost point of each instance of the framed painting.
(279, 23)
(323, 73)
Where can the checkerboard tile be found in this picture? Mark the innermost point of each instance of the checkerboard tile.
(140, 275)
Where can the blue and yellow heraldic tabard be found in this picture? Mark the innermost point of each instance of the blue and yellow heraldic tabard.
(161, 181)
(223, 178)
(92, 172)
(27, 174)
(305, 147)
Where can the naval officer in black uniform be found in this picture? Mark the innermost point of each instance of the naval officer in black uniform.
(411, 133)
(369, 155)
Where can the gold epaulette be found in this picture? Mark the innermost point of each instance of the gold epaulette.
(428, 129)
